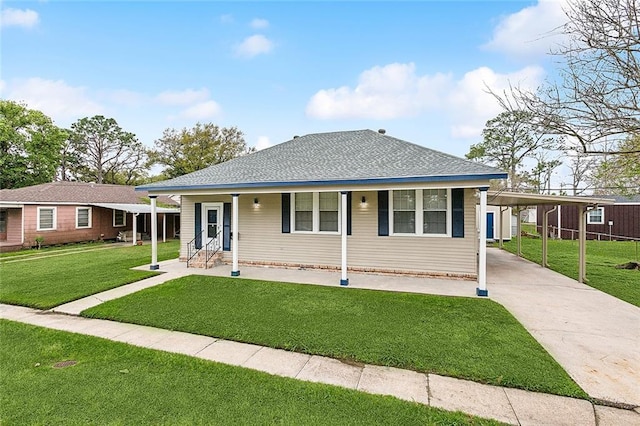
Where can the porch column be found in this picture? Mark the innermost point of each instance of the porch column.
(154, 234)
(582, 242)
(235, 271)
(343, 227)
(134, 216)
(481, 290)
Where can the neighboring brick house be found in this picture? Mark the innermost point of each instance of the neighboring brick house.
(67, 212)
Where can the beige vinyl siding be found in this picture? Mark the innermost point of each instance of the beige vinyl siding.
(261, 238)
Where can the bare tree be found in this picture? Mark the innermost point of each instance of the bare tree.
(596, 98)
(582, 167)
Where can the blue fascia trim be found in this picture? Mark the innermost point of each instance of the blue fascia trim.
(482, 293)
(235, 273)
(484, 188)
(344, 282)
(154, 267)
(412, 179)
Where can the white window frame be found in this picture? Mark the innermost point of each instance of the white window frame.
(124, 219)
(54, 219)
(89, 217)
(315, 214)
(591, 222)
(419, 229)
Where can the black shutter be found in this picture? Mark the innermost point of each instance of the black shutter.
(383, 213)
(349, 198)
(286, 213)
(226, 227)
(198, 225)
(457, 213)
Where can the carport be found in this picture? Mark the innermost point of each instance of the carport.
(520, 200)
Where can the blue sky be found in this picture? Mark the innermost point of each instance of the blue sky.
(277, 69)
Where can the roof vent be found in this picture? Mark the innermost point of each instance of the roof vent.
(382, 131)
(296, 136)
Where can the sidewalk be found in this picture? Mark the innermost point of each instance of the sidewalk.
(512, 406)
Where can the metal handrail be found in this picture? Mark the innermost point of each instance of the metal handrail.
(210, 247)
(192, 246)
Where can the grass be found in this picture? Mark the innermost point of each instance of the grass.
(602, 257)
(47, 250)
(48, 282)
(115, 383)
(462, 337)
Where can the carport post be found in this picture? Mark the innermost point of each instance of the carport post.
(582, 243)
(164, 227)
(154, 234)
(235, 271)
(545, 236)
(519, 231)
(501, 241)
(343, 228)
(135, 228)
(482, 249)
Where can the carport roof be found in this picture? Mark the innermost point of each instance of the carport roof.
(135, 208)
(518, 199)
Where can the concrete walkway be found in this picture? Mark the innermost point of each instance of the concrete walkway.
(512, 406)
(594, 336)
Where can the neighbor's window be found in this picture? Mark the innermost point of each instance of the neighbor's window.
(3, 220)
(329, 211)
(83, 217)
(404, 211)
(119, 218)
(434, 205)
(596, 216)
(304, 211)
(46, 218)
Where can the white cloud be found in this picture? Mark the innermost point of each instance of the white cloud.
(396, 91)
(226, 19)
(259, 24)
(253, 46)
(534, 30)
(263, 142)
(183, 97)
(387, 92)
(470, 105)
(202, 111)
(25, 18)
(55, 98)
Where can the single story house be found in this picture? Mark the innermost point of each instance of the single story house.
(617, 221)
(67, 212)
(350, 200)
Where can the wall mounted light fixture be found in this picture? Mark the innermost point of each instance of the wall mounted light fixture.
(256, 201)
(364, 199)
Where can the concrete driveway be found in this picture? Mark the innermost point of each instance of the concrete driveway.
(594, 336)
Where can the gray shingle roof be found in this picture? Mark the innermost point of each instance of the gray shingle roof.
(355, 156)
(77, 192)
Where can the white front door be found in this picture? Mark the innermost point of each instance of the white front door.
(212, 224)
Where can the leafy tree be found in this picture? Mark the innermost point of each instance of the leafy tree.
(597, 96)
(582, 167)
(104, 153)
(540, 175)
(508, 140)
(620, 173)
(29, 146)
(188, 150)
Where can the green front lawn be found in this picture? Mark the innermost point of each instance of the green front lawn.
(469, 338)
(48, 282)
(115, 383)
(602, 257)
